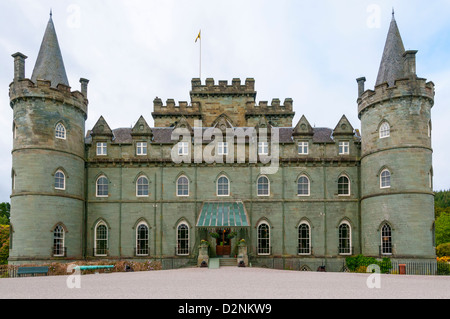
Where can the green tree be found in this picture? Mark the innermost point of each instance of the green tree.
(4, 244)
(5, 209)
(442, 229)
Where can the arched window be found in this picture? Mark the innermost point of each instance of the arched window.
(142, 187)
(102, 186)
(60, 180)
(60, 131)
(303, 186)
(183, 186)
(344, 186)
(263, 186)
(304, 239)
(263, 239)
(223, 186)
(182, 239)
(386, 240)
(385, 179)
(101, 240)
(142, 238)
(345, 239)
(58, 242)
(385, 130)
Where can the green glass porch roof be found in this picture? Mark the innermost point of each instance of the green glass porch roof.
(223, 214)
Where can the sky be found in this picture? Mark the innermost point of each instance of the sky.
(311, 51)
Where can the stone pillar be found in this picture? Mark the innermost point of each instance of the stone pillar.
(203, 254)
(19, 66)
(242, 254)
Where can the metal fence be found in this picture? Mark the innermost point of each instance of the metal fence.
(415, 268)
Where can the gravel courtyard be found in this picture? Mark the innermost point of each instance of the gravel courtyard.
(227, 283)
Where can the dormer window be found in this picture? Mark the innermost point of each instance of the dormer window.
(303, 148)
(141, 148)
(344, 148)
(102, 149)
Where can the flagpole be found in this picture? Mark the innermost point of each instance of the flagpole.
(200, 56)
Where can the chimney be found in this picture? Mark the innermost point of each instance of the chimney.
(410, 63)
(19, 66)
(84, 86)
(361, 88)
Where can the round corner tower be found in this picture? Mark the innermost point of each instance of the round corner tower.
(397, 199)
(48, 158)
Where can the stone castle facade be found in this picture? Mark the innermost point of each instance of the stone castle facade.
(118, 193)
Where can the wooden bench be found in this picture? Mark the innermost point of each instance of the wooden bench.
(106, 267)
(32, 271)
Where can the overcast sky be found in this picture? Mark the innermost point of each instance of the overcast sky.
(310, 51)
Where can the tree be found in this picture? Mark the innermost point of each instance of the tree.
(5, 209)
(442, 229)
(4, 244)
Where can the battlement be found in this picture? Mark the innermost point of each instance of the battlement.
(403, 88)
(25, 88)
(172, 107)
(275, 106)
(223, 88)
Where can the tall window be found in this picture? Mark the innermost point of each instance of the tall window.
(263, 148)
(183, 148)
(263, 186)
(142, 187)
(223, 186)
(182, 239)
(60, 131)
(222, 148)
(102, 149)
(142, 240)
(303, 148)
(386, 240)
(343, 186)
(263, 239)
(182, 186)
(304, 239)
(344, 148)
(102, 186)
(58, 241)
(385, 130)
(303, 186)
(345, 239)
(141, 148)
(101, 240)
(385, 179)
(60, 180)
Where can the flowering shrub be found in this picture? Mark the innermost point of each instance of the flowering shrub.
(444, 259)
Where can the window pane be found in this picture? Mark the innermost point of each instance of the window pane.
(263, 240)
(59, 180)
(183, 186)
(303, 186)
(60, 131)
(385, 179)
(343, 186)
(344, 239)
(142, 241)
(183, 240)
(102, 186)
(142, 186)
(303, 239)
(263, 186)
(223, 186)
(386, 240)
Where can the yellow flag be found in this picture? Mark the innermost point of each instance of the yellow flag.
(199, 36)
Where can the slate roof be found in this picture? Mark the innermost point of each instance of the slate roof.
(49, 64)
(163, 135)
(391, 68)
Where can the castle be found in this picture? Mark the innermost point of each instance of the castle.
(110, 194)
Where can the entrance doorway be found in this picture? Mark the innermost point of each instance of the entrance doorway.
(223, 244)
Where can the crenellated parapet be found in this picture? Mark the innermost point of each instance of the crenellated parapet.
(223, 88)
(24, 89)
(403, 88)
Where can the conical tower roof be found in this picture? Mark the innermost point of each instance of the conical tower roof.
(49, 64)
(392, 63)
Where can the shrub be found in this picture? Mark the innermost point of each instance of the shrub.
(443, 250)
(360, 263)
(4, 244)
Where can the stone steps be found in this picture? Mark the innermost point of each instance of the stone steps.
(228, 262)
